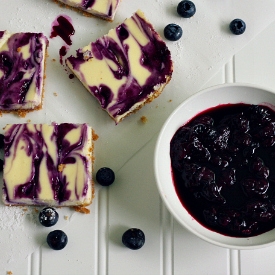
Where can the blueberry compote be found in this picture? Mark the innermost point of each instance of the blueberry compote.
(223, 166)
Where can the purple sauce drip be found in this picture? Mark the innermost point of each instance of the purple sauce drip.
(156, 58)
(63, 27)
(62, 52)
(13, 87)
(35, 142)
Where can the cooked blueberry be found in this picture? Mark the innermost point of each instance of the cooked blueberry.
(269, 142)
(186, 9)
(1, 141)
(250, 150)
(48, 216)
(133, 238)
(268, 130)
(228, 176)
(254, 187)
(198, 150)
(258, 167)
(241, 123)
(244, 226)
(237, 26)
(261, 211)
(259, 115)
(208, 120)
(210, 216)
(173, 32)
(221, 139)
(105, 176)
(57, 239)
(211, 192)
(241, 138)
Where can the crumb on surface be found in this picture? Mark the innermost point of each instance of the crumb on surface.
(61, 167)
(36, 210)
(143, 119)
(81, 209)
(170, 100)
(55, 94)
(95, 136)
(28, 120)
(22, 113)
(53, 59)
(66, 217)
(9, 272)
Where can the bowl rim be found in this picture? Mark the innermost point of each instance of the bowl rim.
(220, 239)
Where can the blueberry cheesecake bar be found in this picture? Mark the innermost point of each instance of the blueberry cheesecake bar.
(22, 71)
(126, 68)
(48, 164)
(104, 9)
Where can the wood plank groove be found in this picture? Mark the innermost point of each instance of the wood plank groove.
(166, 241)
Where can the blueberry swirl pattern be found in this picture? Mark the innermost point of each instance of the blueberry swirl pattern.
(48, 164)
(22, 58)
(104, 9)
(125, 68)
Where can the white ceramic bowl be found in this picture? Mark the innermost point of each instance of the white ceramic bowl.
(229, 93)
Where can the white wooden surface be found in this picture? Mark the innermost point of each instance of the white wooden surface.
(133, 201)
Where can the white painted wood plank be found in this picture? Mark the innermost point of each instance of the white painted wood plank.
(134, 202)
(256, 62)
(194, 256)
(81, 252)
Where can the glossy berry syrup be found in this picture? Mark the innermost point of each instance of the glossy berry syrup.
(223, 166)
(63, 27)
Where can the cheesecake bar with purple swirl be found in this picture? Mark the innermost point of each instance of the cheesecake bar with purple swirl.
(48, 164)
(22, 71)
(104, 9)
(126, 68)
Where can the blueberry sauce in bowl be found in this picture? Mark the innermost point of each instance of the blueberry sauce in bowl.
(215, 165)
(223, 166)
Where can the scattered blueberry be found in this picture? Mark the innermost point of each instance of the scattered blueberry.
(57, 239)
(1, 141)
(237, 26)
(48, 216)
(173, 32)
(186, 9)
(105, 176)
(133, 238)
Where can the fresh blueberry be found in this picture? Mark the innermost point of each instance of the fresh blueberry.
(133, 238)
(1, 141)
(173, 32)
(57, 239)
(237, 26)
(186, 9)
(105, 176)
(48, 216)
